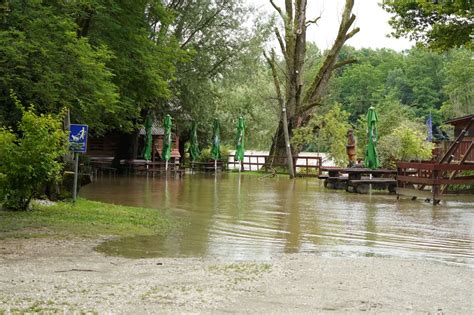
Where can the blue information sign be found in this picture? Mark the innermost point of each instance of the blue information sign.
(78, 138)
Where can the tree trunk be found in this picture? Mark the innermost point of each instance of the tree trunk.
(278, 151)
(299, 108)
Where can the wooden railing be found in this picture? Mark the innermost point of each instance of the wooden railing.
(304, 165)
(413, 177)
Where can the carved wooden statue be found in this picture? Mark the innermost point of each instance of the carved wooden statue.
(351, 147)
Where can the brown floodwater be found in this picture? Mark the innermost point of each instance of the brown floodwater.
(245, 217)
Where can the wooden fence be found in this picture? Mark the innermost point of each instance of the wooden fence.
(305, 165)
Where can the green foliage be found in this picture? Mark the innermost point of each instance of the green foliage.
(425, 85)
(144, 57)
(248, 93)
(206, 154)
(459, 86)
(45, 63)
(439, 25)
(99, 58)
(405, 143)
(392, 114)
(30, 160)
(414, 79)
(332, 135)
(224, 76)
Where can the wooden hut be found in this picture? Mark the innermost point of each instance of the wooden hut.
(113, 149)
(158, 133)
(462, 150)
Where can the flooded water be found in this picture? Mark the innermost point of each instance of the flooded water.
(245, 217)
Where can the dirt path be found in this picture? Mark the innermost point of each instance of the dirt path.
(43, 275)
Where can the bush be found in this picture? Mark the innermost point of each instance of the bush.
(29, 158)
(205, 155)
(333, 127)
(405, 143)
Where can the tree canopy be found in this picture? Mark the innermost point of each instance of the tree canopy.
(96, 57)
(112, 61)
(437, 24)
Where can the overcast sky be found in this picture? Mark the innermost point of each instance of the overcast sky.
(371, 18)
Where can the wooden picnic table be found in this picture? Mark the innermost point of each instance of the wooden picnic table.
(358, 179)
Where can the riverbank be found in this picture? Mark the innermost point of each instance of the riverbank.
(85, 218)
(46, 275)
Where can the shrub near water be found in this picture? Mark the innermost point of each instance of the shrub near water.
(405, 143)
(29, 158)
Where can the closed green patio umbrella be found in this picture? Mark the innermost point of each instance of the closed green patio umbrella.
(148, 137)
(194, 147)
(216, 143)
(166, 151)
(239, 141)
(371, 159)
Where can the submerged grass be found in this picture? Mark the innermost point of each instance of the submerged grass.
(85, 218)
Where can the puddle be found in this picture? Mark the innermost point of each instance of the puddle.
(241, 217)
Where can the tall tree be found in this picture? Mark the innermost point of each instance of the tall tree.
(297, 100)
(216, 35)
(46, 64)
(437, 24)
(459, 84)
(97, 57)
(144, 59)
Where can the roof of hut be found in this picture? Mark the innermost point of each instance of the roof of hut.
(156, 130)
(459, 120)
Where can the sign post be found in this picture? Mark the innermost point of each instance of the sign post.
(77, 144)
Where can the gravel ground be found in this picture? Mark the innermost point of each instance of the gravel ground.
(68, 276)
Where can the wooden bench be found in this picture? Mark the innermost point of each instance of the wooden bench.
(362, 185)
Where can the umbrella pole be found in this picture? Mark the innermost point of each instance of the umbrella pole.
(166, 166)
(215, 166)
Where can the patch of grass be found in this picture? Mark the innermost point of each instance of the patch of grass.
(237, 273)
(241, 268)
(85, 218)
(46, 307)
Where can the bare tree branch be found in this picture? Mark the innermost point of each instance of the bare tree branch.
(278, 9)
(173, 4)
(316, 90)
(289, 11)
(280, 41)
(352, 33)
(313, 21)
(272, 63)
(344, 62)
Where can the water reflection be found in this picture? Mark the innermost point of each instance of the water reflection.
(238, 216)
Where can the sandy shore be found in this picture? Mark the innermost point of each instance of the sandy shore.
(43, 275)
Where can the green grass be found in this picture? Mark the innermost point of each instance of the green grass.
(85, 218)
